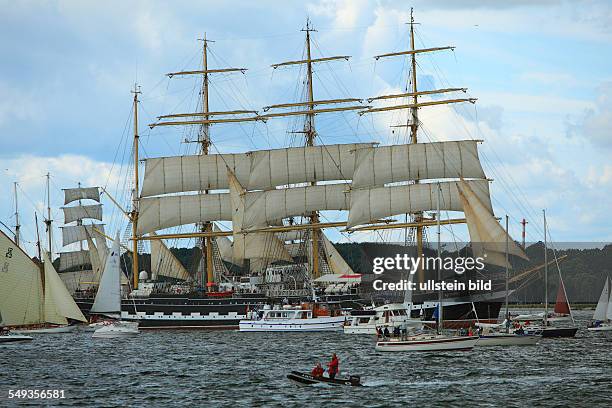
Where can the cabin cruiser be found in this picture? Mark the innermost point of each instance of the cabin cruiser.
(7, 337)
(303, 318)
(388, 316)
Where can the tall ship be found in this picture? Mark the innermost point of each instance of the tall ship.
(262, 219)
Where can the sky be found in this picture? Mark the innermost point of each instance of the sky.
(541, 71)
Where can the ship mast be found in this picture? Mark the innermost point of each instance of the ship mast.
(309, 127)
(134, 213)
(205, 118)
(48, 221)
(413, 106)
(17, 225)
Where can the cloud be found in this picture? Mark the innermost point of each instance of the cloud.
(595, 124)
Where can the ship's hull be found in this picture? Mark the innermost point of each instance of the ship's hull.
(505, 339)
(316, 324)
(428, 343)
(181, 312)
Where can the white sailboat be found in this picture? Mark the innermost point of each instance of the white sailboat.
(108, 299)
(33, 298)
(430, 341)
(602, 317)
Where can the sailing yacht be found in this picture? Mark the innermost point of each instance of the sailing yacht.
(108, 299)
(602, 317)
(33, 298)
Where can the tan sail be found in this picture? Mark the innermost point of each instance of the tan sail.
(257, 170)
(94, 256)
(81, 212)
(377, 166)
(254, 245)
(369, 204)
(20, 286)
(69, 260)
(164, 263)
(335, 261)
(76, 233)
(59, 304)
(81, 193)
(487, 236)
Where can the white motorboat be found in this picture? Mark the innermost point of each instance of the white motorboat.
(116, 330)
(388, 316)
(427, 342)
(7, 337)
(290, 319)
(602, 317)
(496, 335)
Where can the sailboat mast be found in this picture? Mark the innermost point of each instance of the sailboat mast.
(310, 141)
(507, 250)
(135, 194)
(17, 225)
(37, 237)
(414, 126)
(545, 272)
(48, 221)
(205, 144)
(440, 308)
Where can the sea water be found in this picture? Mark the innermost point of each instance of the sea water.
(229, 368)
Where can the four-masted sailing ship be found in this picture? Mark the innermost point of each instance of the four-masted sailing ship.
(273, 199)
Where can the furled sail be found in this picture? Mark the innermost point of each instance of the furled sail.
(253, 245)
(76, 233)
(377, 166)
(370, 204)
(164, 263)
(335, 261)
(257, 170)
(70, 260)
(20, 286)
(264, 207)
(81, 193)
(81, 212)
(157, 213)
(59, 304)
(94, 256)
(487, 236)
(108, 297)
(601, 311)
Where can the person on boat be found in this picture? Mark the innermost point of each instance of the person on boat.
(317, 371)
(470, 331)
(378, 332)
(396, 331)
(334, 366)
(386, 332)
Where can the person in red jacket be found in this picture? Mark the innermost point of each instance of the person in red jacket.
(333, 366)
(317, 371)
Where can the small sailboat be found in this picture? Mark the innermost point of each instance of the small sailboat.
(500, 335)
(430, 340)
(33, 298)
(108, 299)
(602, 317)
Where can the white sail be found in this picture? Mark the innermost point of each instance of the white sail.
(103, 250)
(225, 248)
(81, 193)
(76, 233)
(108, 297)
(335, 261)
(265, 207)
(253, 245)
(370, 204)
(157, 213)
(602, 309)
(20, 286)
(293, 165)
(487, 236)
(59, 304)
(258, 170)
(164, 263)
(81, 212)
(377, 166)
(70, 260)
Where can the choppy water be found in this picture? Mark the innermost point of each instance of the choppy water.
(248, 369)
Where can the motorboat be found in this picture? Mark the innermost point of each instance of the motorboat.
(308, 379)
(116, 330)
(292, 319)
(388, 316)
(7, 337)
